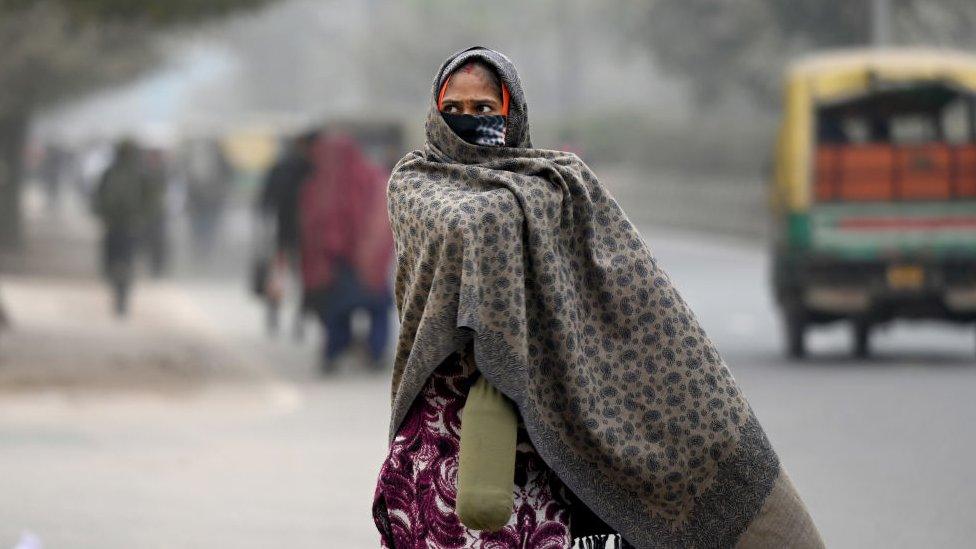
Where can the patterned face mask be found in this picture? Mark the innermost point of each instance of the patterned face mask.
(487, 129)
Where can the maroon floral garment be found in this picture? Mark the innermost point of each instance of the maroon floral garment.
(414, 502)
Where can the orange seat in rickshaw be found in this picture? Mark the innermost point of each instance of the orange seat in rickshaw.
(879, 172)
(854, 172)
(923, 172)
(965, 170)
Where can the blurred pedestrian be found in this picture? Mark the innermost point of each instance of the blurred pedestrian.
(124, 201)
(278, 208)
(346, 246)
(4, 319)
(208, 184)
(156, 237)
(522, 284)
(53, 171)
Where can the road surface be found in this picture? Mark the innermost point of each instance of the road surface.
(250, 449)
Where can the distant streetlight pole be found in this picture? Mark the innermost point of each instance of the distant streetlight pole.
(569, 76)
(880, 23)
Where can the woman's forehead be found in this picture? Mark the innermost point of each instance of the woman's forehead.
(479, 70)
(472, 78)
(471, 83)
(471, 68)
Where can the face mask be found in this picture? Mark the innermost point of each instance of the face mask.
(487, 129)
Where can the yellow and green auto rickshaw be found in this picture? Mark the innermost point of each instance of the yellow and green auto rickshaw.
(874, 191)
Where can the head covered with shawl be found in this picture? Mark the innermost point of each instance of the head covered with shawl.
(522, 252)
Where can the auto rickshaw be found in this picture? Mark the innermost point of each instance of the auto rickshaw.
(874, 191)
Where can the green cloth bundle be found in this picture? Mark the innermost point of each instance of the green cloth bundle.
(486, 474)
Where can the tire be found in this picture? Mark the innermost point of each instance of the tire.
(862, 339)
(796, 332)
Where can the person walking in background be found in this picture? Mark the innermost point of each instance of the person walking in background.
(278, 208)
(208, 182)
(519, 275)
(156, 237)
(54, 169)
(279, 195)
(346, 246)
(124, 201)
(4, 319)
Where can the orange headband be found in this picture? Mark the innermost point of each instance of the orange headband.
(505, 96)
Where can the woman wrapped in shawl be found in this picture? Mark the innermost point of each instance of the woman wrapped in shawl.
(515, 264)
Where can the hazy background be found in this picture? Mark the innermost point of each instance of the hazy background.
(187, 425)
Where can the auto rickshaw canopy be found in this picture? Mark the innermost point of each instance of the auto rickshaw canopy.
(837, 75)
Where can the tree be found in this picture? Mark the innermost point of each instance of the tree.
(59, 49)
(743, 46)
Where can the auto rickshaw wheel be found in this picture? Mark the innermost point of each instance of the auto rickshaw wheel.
(862, 339)
(796, 332)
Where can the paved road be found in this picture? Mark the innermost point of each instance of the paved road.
(880, 450)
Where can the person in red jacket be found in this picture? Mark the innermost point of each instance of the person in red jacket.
(346, 246)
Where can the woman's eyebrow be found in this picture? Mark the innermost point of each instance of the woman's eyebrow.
(476, 99)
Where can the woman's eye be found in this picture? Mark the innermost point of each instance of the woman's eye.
(451, 109)
(484, 108)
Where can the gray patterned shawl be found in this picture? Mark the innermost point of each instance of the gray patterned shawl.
(523, 252)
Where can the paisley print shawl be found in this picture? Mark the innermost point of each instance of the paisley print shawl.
(525, 253)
